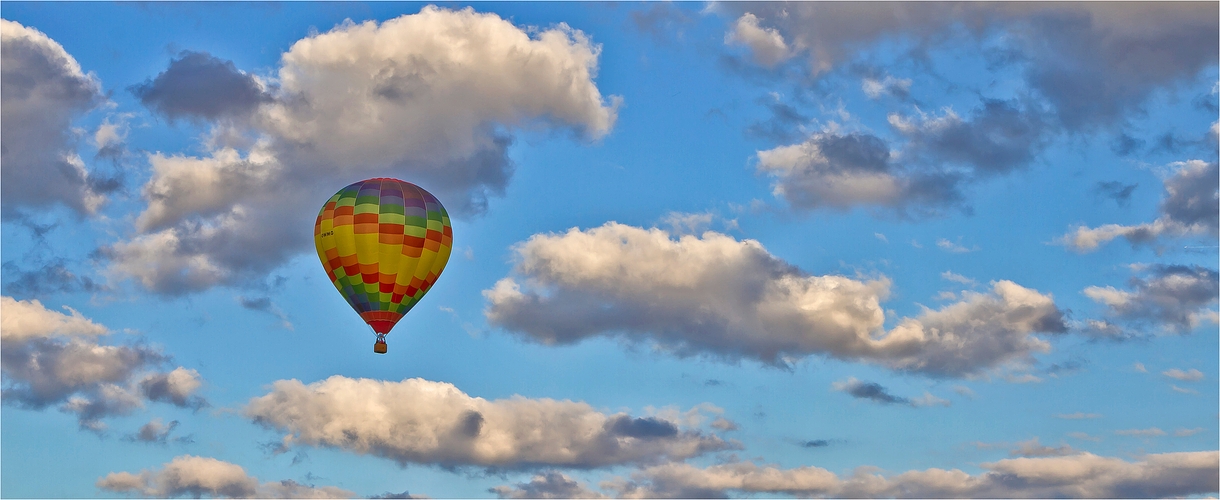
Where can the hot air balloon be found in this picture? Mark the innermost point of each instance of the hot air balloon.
(383, 243)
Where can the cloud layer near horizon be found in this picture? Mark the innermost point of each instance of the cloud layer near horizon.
(194, 476)
(1082, 475)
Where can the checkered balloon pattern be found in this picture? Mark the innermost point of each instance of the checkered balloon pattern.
(383, 243)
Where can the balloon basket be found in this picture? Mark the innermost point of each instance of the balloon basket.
(380, 348)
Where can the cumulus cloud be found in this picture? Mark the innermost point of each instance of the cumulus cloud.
(155, 431)
(1082, 475)
(1093, 63)
(1176, 298)
(193, 476)
(997, 138)
(419, 421)
(715, 295)
(435, 96)
(841, 171)
(50, 358)
(940, 156)
(1190, 207)
(43, 91)
(23, 320)
(549, 484)
(765, 44)
(199, 85)
(176, 387)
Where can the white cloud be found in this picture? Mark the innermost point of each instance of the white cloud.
(49, 358)
(1190, 208)
(1081, 475)
(841, 170)
(435, 97)
(22, 320)
(194, 476)
(155, 431)
(929, 400)
(855, 172)
(1187, 432)
(1176, 298)
(766, 44)
(724, 424)
(182, 186)
(686, 223)
(982, 330)
(161, 262)
(694, 294)
(1192, 375)
(1087, 73)
(418, 421)
(44, 91)
(716, 295)
(111, 135)
(435, 78)
(177, 387)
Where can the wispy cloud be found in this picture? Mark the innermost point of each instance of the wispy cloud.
(1192, 375)
(1075, 475)
(1149, 432)
(952, 247)
(189, 475)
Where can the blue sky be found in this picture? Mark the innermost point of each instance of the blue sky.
(700, 250)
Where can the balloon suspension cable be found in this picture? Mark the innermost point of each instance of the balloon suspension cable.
(380, 338)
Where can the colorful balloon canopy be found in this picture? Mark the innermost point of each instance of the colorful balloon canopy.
(383, 243)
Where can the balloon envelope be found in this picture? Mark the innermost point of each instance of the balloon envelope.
(383, 243)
